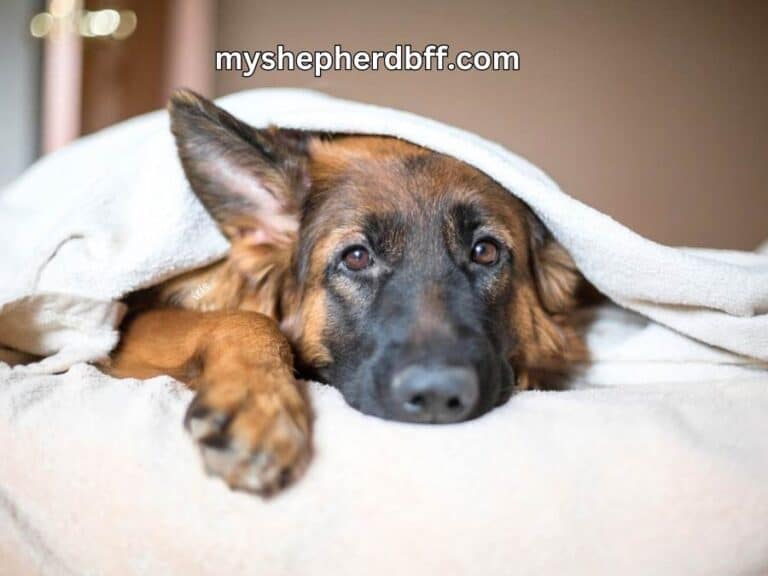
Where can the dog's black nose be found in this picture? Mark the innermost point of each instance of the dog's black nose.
(440, 394)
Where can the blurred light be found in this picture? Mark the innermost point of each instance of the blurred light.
(61, 8)
(102, 22)
(96, 24)
(41, 25)
(127, 25)
(84, 26)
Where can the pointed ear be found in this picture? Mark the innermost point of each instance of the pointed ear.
(554, 272)
(251, 181)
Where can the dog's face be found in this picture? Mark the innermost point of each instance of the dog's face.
(409, 280)
(415, 257)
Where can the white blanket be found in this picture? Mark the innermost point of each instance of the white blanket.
(656, 461)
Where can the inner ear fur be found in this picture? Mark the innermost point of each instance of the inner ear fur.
(252, 181)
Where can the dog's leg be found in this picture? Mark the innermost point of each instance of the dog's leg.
(249, 417)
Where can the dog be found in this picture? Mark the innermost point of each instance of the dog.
(410, 281)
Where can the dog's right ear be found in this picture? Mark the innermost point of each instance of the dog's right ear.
(251, 181)
(555, 275)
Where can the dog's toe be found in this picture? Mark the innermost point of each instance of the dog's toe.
(203, 421)
(260, 444)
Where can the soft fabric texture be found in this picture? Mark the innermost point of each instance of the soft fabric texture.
(656, 461)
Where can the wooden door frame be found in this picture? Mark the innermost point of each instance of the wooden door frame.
(190, 45)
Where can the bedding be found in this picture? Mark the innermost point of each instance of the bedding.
(655, 460)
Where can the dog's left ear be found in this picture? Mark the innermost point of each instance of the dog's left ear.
(251, 181)
(554, 273)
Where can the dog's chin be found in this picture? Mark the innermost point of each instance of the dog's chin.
(370, 408)
(377, 411)
(361, 390)
(363, 400)
(369, 405)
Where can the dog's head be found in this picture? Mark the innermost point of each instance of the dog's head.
(409, 280)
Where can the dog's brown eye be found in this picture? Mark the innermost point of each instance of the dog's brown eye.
(485, 252)
(356, 258)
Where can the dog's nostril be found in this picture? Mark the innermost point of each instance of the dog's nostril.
(418, 402)
(454, 403)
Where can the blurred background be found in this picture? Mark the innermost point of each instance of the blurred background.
(655, 112)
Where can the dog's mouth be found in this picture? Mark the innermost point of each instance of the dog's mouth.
(432, 392)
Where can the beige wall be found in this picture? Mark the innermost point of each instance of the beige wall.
(654, 112)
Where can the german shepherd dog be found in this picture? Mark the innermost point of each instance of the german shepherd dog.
(410, 281)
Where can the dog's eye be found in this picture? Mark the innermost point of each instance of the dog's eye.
(356, 258)
(485, 252)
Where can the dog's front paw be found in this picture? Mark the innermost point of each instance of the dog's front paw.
(256, 438)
